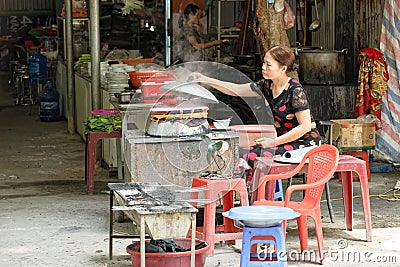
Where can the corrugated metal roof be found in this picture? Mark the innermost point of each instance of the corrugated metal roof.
(17, 5)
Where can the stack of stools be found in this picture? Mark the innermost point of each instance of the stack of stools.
(23, 89)
(212, 188)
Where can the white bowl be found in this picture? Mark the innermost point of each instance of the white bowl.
(222, 124)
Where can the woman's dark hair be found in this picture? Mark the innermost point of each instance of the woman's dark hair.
(284, 56)
(190, 9)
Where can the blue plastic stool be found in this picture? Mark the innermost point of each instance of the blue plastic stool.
(278, 195)
(259, 235)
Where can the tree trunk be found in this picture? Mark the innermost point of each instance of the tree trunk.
(268, 27)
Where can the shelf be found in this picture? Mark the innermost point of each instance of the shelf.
(61, 18)
(229, 35)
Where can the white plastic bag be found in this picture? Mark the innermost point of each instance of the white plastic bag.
(288, 16)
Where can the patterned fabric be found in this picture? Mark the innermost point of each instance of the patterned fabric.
(283, 108)
(372, 83)
(388, 138)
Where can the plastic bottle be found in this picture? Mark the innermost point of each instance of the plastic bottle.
(49, 103)
(38, 68)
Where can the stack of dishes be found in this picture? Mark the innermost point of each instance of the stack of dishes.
(116, 81)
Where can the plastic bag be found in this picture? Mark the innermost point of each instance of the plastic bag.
(369, 119)
(288, 16)
(117, 54)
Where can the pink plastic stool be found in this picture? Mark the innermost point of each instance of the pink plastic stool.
(209, 231)
(90, 156)
(362, 154)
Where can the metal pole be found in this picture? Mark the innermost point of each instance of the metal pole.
(167, 36)
(70, 67)
(95, 52)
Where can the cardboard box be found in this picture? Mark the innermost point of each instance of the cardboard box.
(349, 135)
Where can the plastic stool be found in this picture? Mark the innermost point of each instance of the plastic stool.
(263, 235)
(278, 195)
(90, 156)
(213, 187)
(362, 154)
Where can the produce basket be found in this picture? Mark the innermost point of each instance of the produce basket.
(136, 78)
(105, 112)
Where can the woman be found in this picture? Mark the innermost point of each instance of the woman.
(189, 45)
(287, 99)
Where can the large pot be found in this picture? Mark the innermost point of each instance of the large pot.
(322, 66)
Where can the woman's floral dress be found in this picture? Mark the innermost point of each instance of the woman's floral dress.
(283, 109)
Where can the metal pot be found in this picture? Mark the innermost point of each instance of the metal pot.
(243, 59)
(125, 96)
(322, 66)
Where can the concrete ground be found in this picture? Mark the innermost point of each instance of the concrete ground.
(47, 219)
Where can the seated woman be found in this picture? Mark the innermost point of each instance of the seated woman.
(188, 43)
(287, 99)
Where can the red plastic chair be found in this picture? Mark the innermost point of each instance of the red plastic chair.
(322, 162)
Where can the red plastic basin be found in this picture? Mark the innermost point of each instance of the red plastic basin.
(169, 259)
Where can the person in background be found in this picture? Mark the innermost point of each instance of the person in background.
(188, 42)
(294, 124)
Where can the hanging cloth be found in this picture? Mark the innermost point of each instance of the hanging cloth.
(372, 83)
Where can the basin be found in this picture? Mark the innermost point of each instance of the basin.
(169, 259)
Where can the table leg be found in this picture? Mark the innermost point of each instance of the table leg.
(228, 198)
(111, 230)
(142, 241)
(347, 191)
(366, 205)
(193, 243)
(119, 159)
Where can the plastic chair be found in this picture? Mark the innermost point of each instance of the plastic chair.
(322, 162)
(211, 232)
(261, 165)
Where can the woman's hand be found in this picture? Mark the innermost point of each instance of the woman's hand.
(197, 77)
(265, 142)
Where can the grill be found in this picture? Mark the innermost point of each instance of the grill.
(157, 205)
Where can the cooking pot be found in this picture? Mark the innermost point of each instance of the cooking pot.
(170, 121)
(243, 59)
(322, 66)
(125, 96)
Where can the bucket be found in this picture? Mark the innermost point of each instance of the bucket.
(169, 259)
(249, 133)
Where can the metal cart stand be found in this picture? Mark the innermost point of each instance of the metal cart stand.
(154, 209)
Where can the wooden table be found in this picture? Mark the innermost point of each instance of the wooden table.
(346, 167)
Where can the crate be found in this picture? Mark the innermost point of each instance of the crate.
(348, 135)
(151, 93)
(105, 112)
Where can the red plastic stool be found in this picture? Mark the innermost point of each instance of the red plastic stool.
(362, 154)
(211, 232)
(90, 156)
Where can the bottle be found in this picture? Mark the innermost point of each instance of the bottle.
(49, 103)
(38, 68)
